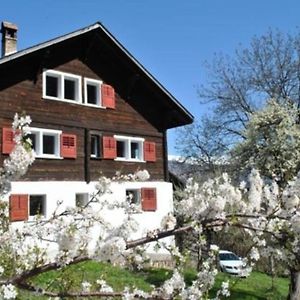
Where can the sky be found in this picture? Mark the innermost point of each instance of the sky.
(171, 39)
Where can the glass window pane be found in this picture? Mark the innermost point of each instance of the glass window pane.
(92, 94)
(95, 146)
(82, 199)
(51, 86)
(121, 150)
(48, 144)
(133, 196)
(135, 150)
(70, 87)
(36, 205)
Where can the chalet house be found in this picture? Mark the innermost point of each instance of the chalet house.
(95, 110)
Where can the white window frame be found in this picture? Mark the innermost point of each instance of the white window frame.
(43, 214)
(128, 140)
(39, 133)
(97, 84)
(61, 86)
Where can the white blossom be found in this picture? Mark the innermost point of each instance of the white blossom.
(295, 223)
(168, 222)
(8, 292)
(214, 248)
(225, 289)
(142, 175)
(86, 286)
(255, 191)
(254, 254)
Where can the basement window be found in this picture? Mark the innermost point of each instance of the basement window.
(133, 196)
(61, 86)
(146, 198)
(81, 199)
(37, 205)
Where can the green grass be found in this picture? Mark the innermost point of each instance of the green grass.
(257, 286)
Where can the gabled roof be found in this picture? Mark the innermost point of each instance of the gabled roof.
(176, 114)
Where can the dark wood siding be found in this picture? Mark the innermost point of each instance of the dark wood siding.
(25, 94)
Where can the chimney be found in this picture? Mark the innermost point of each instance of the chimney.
(9, 38)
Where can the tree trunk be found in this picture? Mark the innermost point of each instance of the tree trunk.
(294, 290)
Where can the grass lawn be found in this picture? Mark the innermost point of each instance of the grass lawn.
(257, 286)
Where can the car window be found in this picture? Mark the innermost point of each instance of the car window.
(228, 256)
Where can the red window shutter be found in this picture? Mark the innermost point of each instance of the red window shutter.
(149, 202)
(108, 96)
(7, 140)
(149, 151)
(68, 145)
(109, 147)
(18, 207)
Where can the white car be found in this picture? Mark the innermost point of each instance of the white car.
(231, 263)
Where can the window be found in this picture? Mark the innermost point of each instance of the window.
(45, 142)
(145, 197)
(133, 196)
(81, 199)
(52, 87)
(92, 92)
(23, 206)
(129, 148)
(37, 205)
(95, 145)
(49, 143)
(68, 87)
(121, 149)
(61, 86)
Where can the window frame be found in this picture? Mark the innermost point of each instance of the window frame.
(61, 84)
(128, 140)
(98, 84)
(39, 133)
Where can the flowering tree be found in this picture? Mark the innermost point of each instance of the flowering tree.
(75, 234)
(78, 234)
(260, 208)
(271, 142)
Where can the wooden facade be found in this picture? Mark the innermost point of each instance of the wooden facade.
(142, 108)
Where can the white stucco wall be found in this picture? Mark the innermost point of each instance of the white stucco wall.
(65, 191)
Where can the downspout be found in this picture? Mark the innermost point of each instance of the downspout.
(165, 156)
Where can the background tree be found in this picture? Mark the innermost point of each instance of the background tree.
(237, 87)
(272, 143)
